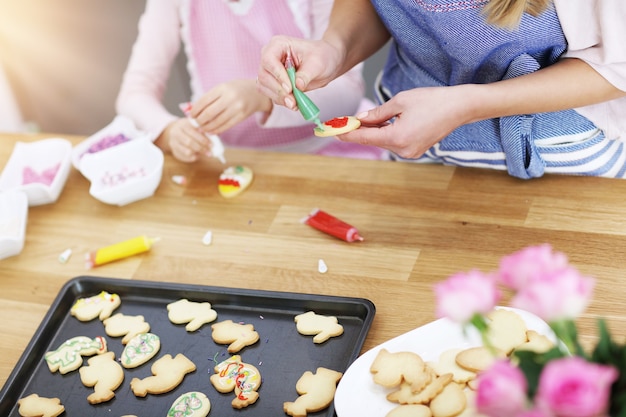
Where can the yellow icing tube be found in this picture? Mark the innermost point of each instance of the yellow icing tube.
(120, 250)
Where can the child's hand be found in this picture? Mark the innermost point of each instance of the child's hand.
(184, 141)
(227, 104)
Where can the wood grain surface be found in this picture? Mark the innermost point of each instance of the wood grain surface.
(421, 223)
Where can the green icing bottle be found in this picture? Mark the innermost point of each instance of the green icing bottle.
(307, 108)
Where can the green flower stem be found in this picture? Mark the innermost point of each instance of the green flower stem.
(480, 323)
(566, 331)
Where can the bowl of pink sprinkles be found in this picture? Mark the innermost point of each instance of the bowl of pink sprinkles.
(39, 169)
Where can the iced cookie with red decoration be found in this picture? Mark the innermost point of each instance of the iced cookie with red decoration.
(338, 126)
(234, 180)
(235, 375)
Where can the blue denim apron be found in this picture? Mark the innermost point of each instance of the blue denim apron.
(444, 43)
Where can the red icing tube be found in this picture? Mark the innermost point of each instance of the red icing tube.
(323, 221)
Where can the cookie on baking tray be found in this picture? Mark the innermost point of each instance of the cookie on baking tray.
(337, 126)
(233, 374)
(36, 406)
(123, 325)
(69, 356)
(104, 374)
(195, 314)
(140, 349)
(101, 306)
(235, 335)
(316, 390)
(191, 404)
(322, 327)
(167, 374)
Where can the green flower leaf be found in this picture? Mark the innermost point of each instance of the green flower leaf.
(608, 352)
(567, 333)
(532, 363)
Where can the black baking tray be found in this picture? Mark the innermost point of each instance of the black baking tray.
(281, 354)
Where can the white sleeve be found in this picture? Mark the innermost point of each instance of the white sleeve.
(596, 31)
(145, 80)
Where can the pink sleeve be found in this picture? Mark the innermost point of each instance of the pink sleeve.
(595, 32)
(339, 98)
(146, 76)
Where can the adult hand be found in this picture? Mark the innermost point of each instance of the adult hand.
(423, 117)
(184, 141)
(227, 104)
(317, 63)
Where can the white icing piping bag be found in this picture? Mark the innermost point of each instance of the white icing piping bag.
(217, 147)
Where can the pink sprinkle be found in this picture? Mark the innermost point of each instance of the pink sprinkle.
(107, 142)
(30, 176)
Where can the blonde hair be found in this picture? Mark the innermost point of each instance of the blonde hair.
(508, 13)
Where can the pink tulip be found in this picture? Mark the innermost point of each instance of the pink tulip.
(573, 387)
(464, 295)
(559, 295)
(501, 390)
(534, 413)
(529, 264)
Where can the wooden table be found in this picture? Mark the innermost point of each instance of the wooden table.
(421, 224)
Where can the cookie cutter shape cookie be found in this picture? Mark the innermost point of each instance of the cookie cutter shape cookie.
(123, 325)
(104, 374)
(391, 369)
(101, 306)
(69, 356)
(235, 375)
(323, 327)
(192, 313)
(237, 334)
(316, 390)
(191, 404)
(167, 374)
(36, 406)
(140, 349)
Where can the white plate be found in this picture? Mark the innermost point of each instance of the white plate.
(358, 395)
(40, 156)
(13, 216)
